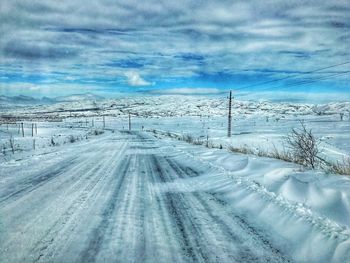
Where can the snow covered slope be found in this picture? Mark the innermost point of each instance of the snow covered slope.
(168, 105)
(78, 97)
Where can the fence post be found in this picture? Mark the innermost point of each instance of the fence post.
(22, 129)
(12, 145)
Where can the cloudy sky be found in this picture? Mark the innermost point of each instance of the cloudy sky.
(183, 46)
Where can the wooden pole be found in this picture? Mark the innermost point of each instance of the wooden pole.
(129, 122)
(12, 144)
(36, 129)
(32, 129)
(229, 115)
(34, 144)
(22, 129)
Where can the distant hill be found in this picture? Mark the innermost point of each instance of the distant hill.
(79, 97)
(21, 99)
(25, 100)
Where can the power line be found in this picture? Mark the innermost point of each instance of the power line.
(305, 82)
(294, 76)
(317, 79)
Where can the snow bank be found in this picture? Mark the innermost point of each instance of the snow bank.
(308, 212)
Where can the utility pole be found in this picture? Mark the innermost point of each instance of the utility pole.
(32, 129)
(229, 115)
(129, 122)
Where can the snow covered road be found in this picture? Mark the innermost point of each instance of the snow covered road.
(102, 201)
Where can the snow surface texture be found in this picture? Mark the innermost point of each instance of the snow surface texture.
(133, 197)
(129, 197)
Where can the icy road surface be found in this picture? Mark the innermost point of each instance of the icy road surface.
(103, 201)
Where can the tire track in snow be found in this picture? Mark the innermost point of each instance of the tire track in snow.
(203, 202)
(162, 218)
(213, 207)
(128, 229)
(30, 184)
(121, 232)
(33, 205)
(37, 179)
(187, 219)
(114, 210)
(98, 234)
(101, 174)
(75, 192)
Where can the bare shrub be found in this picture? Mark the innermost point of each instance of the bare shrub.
(304, 146)
(188, 138)
(210, 144)
(72, 139)
(52, 141)
(261, 153)
(341, 167)
(97, 132)
(283, 154)
(241, 149)
(197, 142)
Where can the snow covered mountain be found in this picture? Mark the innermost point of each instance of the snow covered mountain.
(27, 100)
(79, 97)
(6, 101)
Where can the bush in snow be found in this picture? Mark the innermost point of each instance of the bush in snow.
(341, 167)
(52, 142)
(304, 146)
(281, 154)
(96, 132)
(188, 138)
(72, 139)
(242, 149)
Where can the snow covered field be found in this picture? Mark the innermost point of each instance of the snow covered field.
(109, 194)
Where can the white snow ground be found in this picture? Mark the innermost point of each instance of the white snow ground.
(136, 198)
(258, 125)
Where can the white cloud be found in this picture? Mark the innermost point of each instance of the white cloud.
(134, 79)
(187, 91)
(165, 38)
